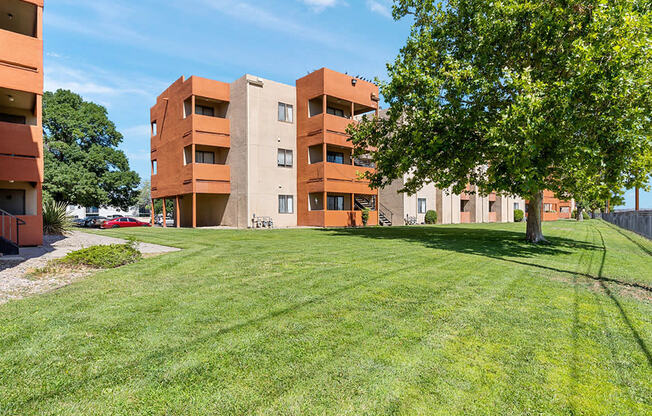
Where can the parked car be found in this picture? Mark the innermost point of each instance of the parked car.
(123, 222)
(169, 221)
(94, 222)
(79, 222)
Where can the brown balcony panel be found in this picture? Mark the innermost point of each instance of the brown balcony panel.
(212, 187)
(465, 217)
(20, 139)
(492, 217)
(212, 172)
(21, 62)
(206, 124)
(23, 169)
(336, 124)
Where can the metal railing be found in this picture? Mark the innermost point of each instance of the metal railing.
(7, 222)
(384, 210)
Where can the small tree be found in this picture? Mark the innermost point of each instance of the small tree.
(518, 215)
(365, 216)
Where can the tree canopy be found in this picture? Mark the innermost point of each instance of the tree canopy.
(517, 96)
(83, 165)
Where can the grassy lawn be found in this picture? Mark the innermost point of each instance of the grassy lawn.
(460, 319)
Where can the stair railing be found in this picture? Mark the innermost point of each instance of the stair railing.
(7, 222)
(383, 210)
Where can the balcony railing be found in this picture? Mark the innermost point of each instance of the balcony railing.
(21, 62)
(206, 130)
(20, 139)
(22, 169)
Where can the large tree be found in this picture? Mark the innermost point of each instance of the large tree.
(509, 95)
(83, 165)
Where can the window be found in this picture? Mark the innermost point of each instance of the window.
(565, 210)
(284, 158)
(421, 203)
(547, 207)
(516, 205)
(335, 157)
(204, 157)
(335, 202)
(124, 220)
(13, 201)
(285, 112)
(154, 131)
(203, 110)
(154, 167)
(335, 111)
(131, 220)
(92, 211)
(285, 204)
(10, 118)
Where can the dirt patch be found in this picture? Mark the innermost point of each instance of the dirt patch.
(24, 277)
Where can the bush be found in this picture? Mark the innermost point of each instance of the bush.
(103, 257)
(365, 216)
(431, 217)
(585, 215)
(518, 215)
(55, 217)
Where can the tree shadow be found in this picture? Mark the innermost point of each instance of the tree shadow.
(485, 241)
(496, 244)
(503, 245)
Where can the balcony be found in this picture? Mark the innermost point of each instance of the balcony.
(208, 178)
(492, 217)
(23, 169)
(207, 130)
(21, 62)
(336, 177)
(465, 217)
(336, 124)
(20, 139)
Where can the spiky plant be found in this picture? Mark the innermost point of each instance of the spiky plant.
(55, 217)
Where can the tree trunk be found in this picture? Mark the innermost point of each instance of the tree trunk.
(578, 213)
(533, 232)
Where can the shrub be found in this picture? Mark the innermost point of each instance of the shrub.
(585, 215)
(518, 215)
(365, 216)
(55, 217)
(103, 257)
(431, 217)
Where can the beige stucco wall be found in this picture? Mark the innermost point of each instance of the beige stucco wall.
(266, 134)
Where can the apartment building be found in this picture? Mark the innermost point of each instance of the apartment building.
(21, 137)
(331, 190)
(467, 207)
(554, 209)
(229, 153)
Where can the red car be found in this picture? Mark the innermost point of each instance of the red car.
(123, 222)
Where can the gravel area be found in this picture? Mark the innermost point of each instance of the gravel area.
(14, 282)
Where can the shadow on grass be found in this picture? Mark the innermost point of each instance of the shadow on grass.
(497, 244)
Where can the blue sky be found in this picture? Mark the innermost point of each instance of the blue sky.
(123, 53)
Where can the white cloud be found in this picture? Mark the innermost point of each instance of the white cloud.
(319, 5)
(380, 8)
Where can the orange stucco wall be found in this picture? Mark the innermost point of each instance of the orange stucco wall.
(323, 130)
(21, 146)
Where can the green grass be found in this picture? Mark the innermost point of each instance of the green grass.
(421, 320)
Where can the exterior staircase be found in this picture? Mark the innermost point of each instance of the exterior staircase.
(9, 233)
(364, 203)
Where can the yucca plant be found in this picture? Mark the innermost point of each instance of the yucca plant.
(55, 217)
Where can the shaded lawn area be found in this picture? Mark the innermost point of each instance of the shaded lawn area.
(460, 319)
